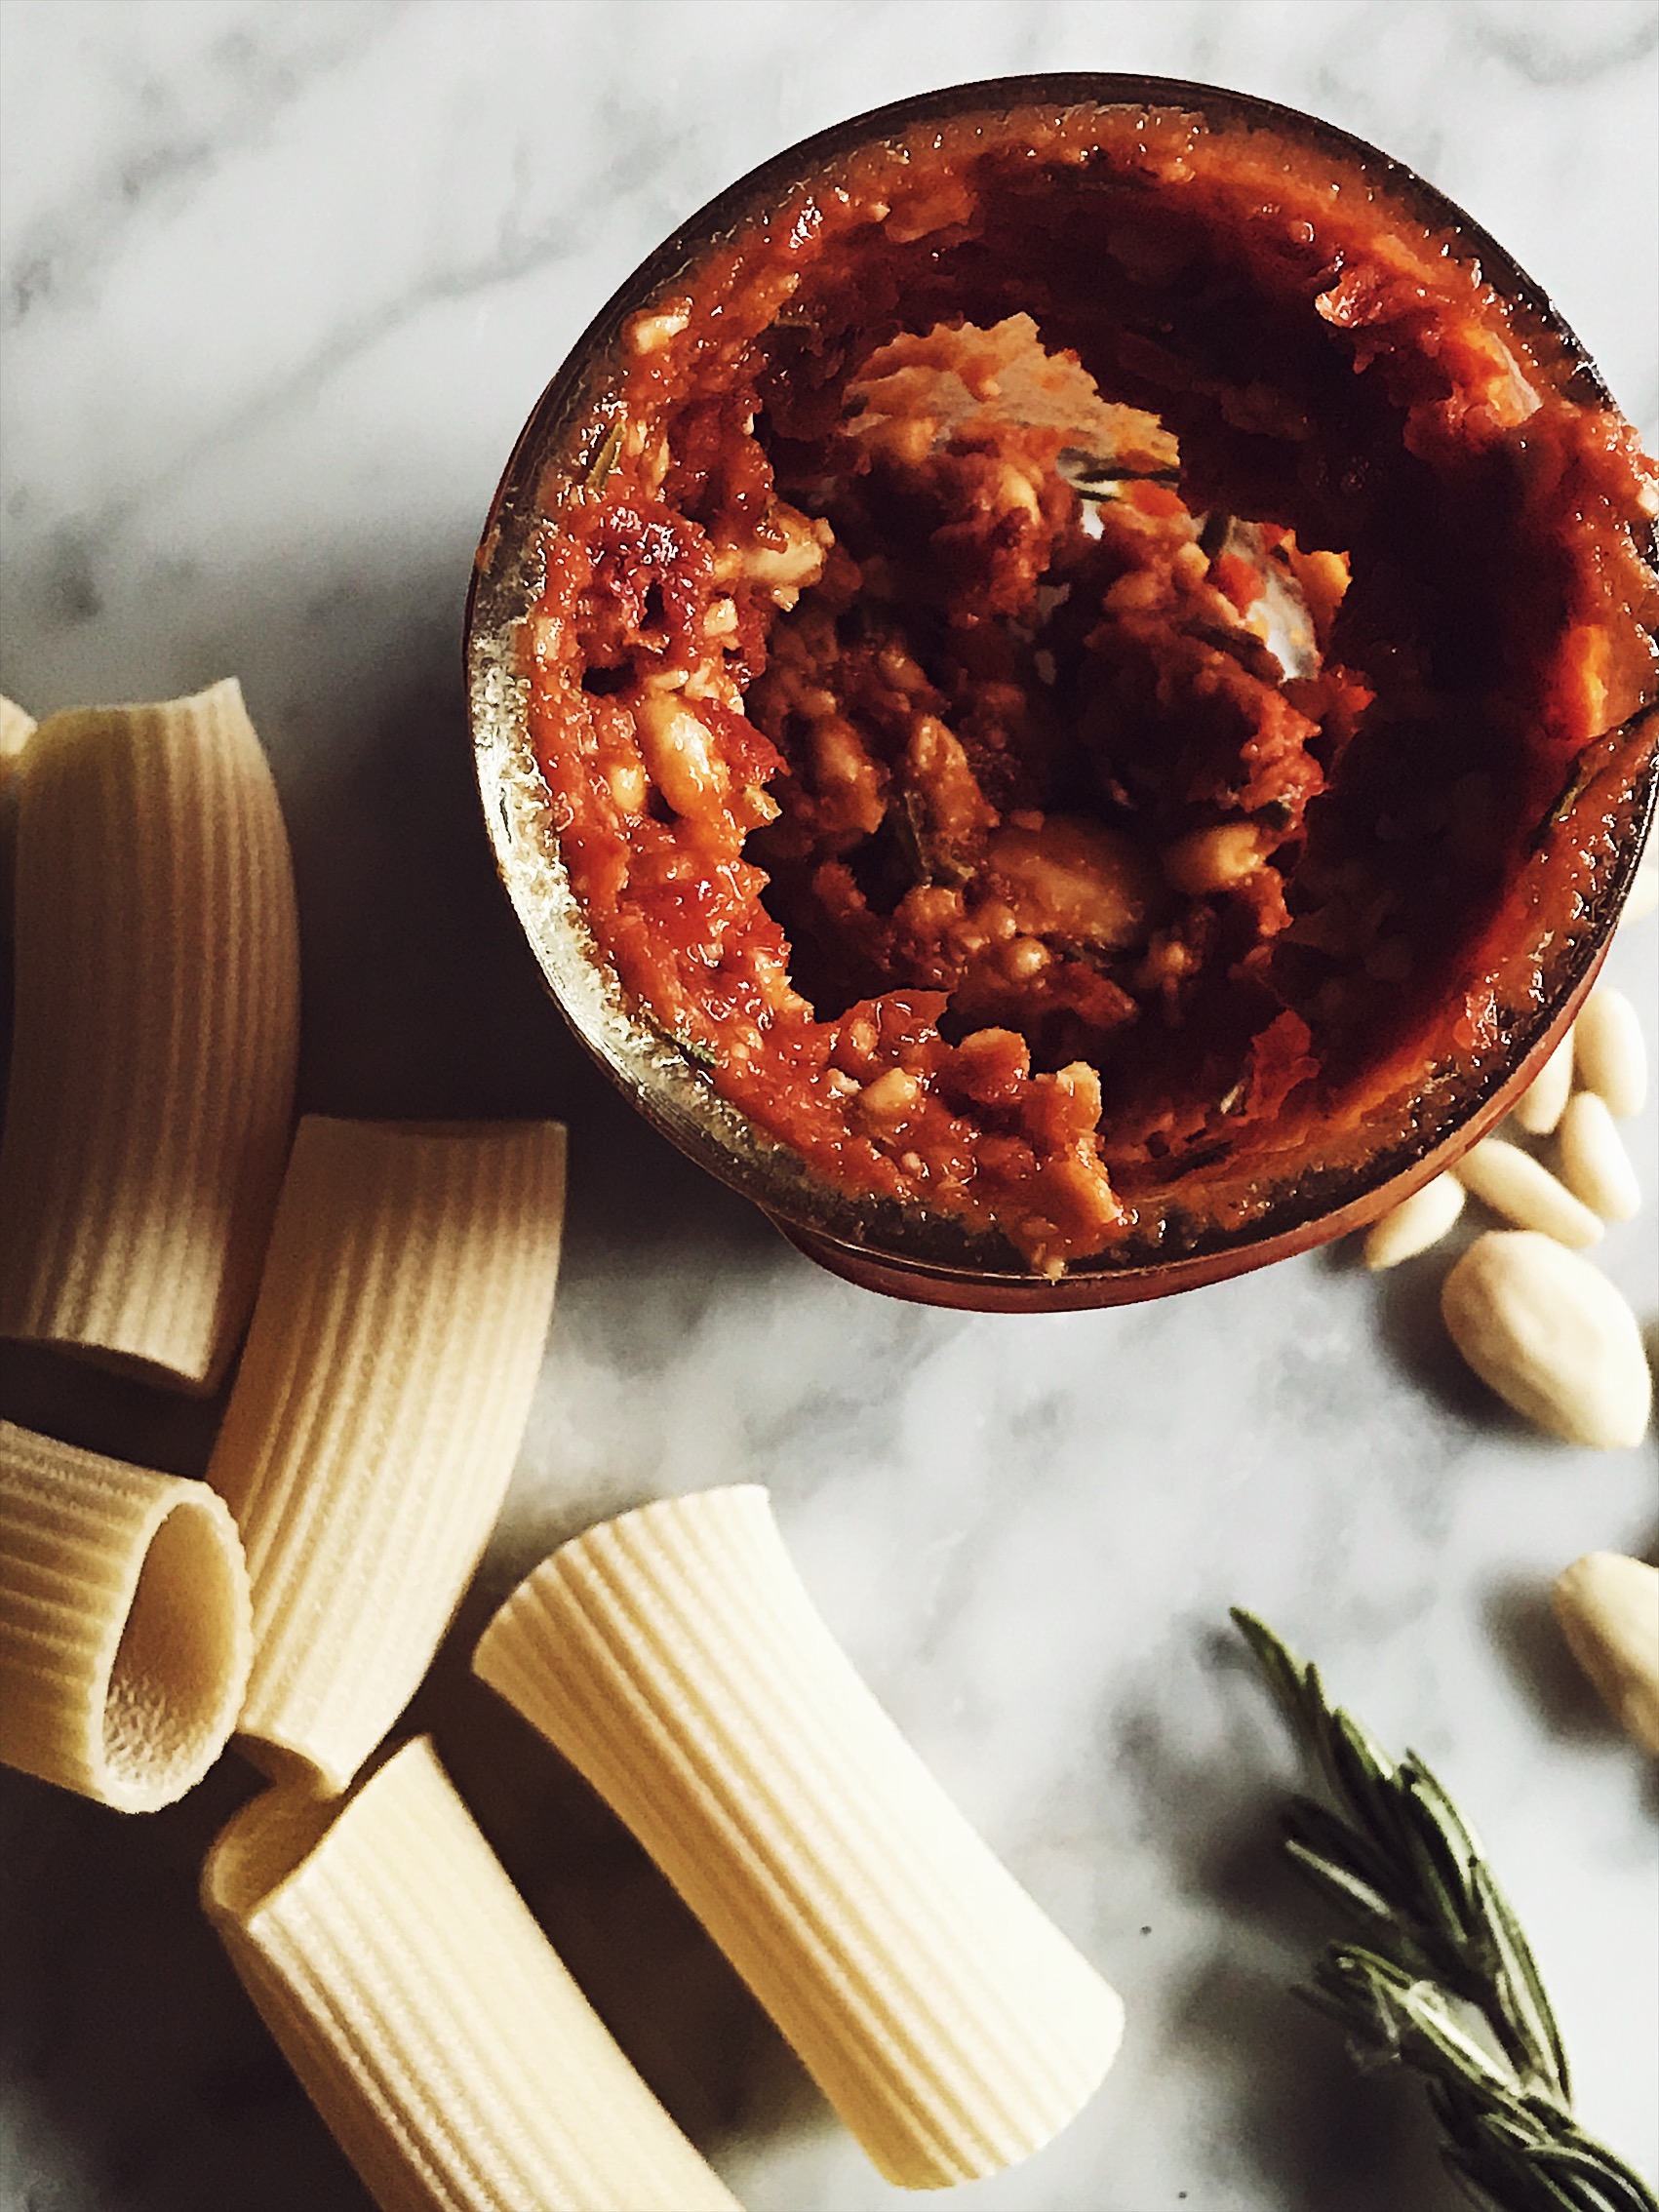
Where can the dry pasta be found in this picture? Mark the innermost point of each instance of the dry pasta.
(124, 1626)
(155, 1039)
(675, 1658)
(428, 2017)
(378, 1410)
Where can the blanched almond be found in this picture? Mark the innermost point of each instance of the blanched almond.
(675, 743)
(1552, 1337)
(1608, 1608)
(1593, 1159)
(1414, 1224)
(1524, 1191)
(1609, 1055)
(1539, 1107)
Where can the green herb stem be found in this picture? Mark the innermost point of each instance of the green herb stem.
(1441, 1977)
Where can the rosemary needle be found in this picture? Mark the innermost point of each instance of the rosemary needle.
(1442, 1978)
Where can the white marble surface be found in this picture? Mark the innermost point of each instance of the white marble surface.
(280, 283)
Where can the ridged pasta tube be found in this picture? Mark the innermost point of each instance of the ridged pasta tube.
(427, 2015)
(378, 1410)
(675, 1658)
(124, 1623)
(155, 1037)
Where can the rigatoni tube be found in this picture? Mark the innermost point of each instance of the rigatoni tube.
(427, 2015)
(156, 1030)
(675, 1658)
(124, 1623)
(377, 1411)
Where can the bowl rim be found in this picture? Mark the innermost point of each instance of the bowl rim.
(904, 1250)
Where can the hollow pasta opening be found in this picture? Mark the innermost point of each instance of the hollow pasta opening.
(179, 1666)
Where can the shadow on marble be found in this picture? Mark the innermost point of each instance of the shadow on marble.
(1408, 1328)
(1311, 2131)
(1529, 1642)
(84, 1405)
(420, 996)
(142, 2079)
(1342, 1255)
(1413, 1337)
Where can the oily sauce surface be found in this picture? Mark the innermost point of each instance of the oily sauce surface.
(1058, 659)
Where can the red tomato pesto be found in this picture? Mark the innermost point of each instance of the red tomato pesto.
(1061, 655)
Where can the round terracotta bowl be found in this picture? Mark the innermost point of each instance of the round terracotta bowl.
(1224, 1213)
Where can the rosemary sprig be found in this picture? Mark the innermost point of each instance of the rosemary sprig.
(1442, 1978)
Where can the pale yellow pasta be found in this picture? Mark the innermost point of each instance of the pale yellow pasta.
(156, 1032)
(427, 2015)
(124, 1624)
(675, 1658)
(378, 1410)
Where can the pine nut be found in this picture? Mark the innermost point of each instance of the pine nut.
(1608, 1051)
(1539, 1107)
(1524, 1191)
(1414, 1224)
(1594, 1163)
(1552, 1337)
(1608, 1608)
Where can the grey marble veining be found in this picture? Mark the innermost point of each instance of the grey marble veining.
(278, 285)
